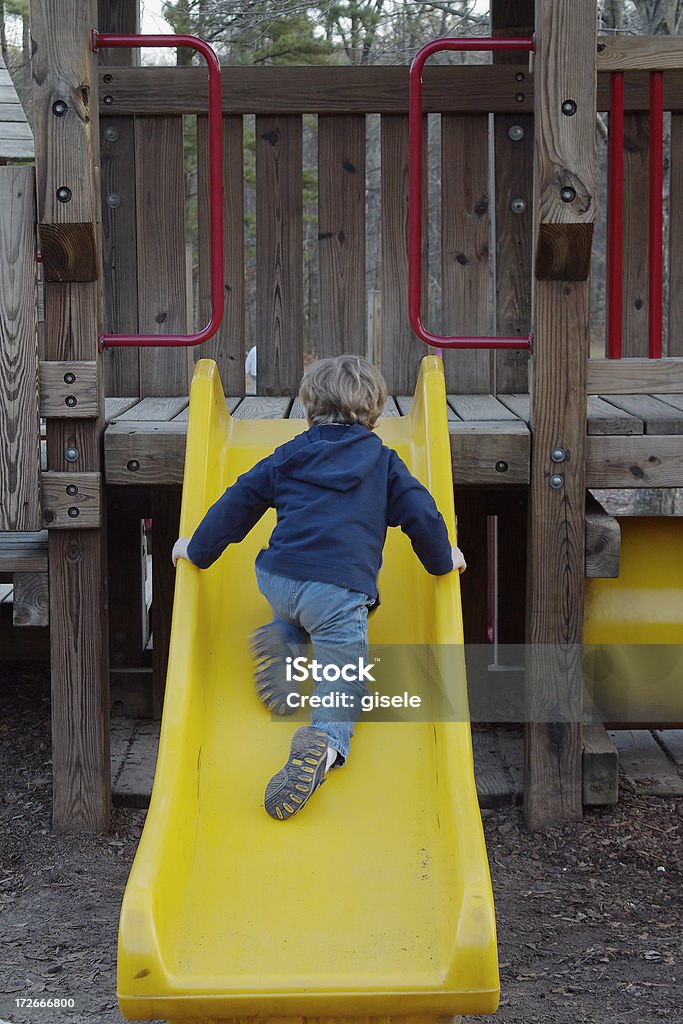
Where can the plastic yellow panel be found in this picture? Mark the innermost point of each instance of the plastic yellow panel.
(376, 899)
(636, 621)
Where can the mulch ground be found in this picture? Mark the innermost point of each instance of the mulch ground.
(589, 915)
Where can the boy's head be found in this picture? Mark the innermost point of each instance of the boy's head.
(343, 389)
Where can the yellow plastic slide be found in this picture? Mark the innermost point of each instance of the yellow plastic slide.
(375, 900)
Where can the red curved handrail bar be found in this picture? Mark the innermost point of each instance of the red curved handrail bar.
(415, 191)
(101, 40)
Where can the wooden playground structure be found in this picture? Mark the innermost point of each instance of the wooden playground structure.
(109, 212)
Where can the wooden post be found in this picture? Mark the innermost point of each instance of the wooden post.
(564, 207)
(67, 142)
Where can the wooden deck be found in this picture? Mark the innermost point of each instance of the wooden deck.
(633, 440)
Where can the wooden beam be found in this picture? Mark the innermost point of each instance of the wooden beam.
(603, 542)
(69, 389)
(31, 599)
(645, 461)
(565, 156)
(635, 376)
(470, 89)
(23, 552)
(600, 762)
(19, 416)
(67, 157)
(639, 53)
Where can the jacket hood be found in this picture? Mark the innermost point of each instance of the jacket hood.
(330, 455)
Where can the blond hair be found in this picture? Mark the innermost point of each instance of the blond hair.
(343, 389)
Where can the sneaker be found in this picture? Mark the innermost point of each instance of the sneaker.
(293, 785)
(269, 648)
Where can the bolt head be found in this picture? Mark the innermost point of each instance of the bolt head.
(568, 194)
(73, 512)
(72, 454)
(518, 206)
(558, 455)
(556, 481)
(108, 100)
(112, 133)
(133, 466)
(516, 133)
(72, 490)
(71, 401)
(520, 97)
(501, 467)
(569, 108)
(69, 378)
(64, 194)
(59, 108)
(113, 200)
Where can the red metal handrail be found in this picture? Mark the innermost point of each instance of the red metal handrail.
(415, 191)
(106, 40)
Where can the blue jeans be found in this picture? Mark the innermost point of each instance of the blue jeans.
(336, 620)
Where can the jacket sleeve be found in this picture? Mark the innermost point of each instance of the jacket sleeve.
(412, 507)
(234, 514)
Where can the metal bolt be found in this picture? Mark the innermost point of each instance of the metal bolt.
(558, 455)
(516, 133)
(113, 200)
(569, 108)
(72, 490)
(108, 100)
(59, 108)
(518, 206)
(108, 78)
(72, 454)
(111, 133)
(64, 193)
(519, 96)
(71, 401)
(556, 481)
(73, 512)
(519, 76)
(568, 194)
(501, 467)
(69, 378)
(133, 465)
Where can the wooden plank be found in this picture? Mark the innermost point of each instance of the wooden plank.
(465, 269)
(162, 303)
(19, 415)
(643, 761)
(66, 155)
(494, 786)
(513, 141)
(520, 405)
(31, 599)
(115, 406)
(262, 408)
(23, 552)
(401, 352)
(635, 239)
(490, 453)
(165, 527)
(72, 500)
(635, 376)
(639, 53)
(674, 400)
(69, 389)
(675, 332)
(380, 89)
(647, 461)
(603, 541)
(227, 346)
(279, 254)
(405, 404)
(564, 151)
(480, 407)
(119, 16)
(341, 235)
(154, 410)
(658, 417)
(605, 418)
(145, 453)
(600, 764)
(184, 416)
(671, 741)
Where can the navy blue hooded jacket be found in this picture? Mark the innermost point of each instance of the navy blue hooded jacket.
(335, 488)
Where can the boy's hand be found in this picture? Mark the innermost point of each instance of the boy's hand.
(180, 550)
(459, 562)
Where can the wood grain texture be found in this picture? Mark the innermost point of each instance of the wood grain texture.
(146, 453)
(63, 67)
(401, 351)
(162, 302)
(563, 252)
(31, 599)
(60, 397)
(227, 346)
(658, 417)
(72, 501)
(69, 252)
(119, 250)
(565, 154)
(19, 415)
(675, 334)
(635, 376)
(647, 461)
(490, 454)
(603, 542)
(604, 418)
(639, 53)
(119, 16)
(279, 254)
(635, 302)
(341, 235)
(380, 89)
(600, 764)
(23, 552)
(465, 257)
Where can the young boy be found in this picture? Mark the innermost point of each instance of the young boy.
(336, 488)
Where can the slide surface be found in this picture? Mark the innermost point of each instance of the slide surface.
(376, 899)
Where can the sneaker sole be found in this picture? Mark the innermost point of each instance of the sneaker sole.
(291, 787)
(269, 648)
